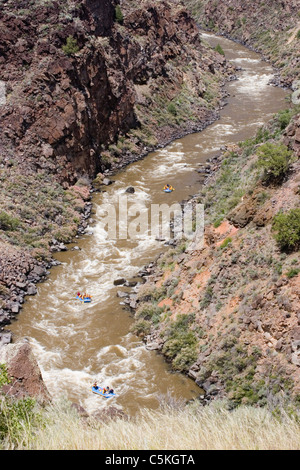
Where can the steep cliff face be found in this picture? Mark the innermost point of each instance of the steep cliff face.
(60, 107)
(271, 27)
(66, 104)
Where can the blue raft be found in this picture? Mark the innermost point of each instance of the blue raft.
(99, 391)
(168, 190)
(85, 299)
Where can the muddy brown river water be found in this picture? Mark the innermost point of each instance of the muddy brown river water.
(75, 343)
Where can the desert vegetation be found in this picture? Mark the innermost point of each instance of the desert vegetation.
(206, 312)
(35, 209)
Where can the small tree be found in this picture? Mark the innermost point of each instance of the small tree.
(219, 49)
(119, 14)
(71, 46)
(275, 159)
(287, 228)
(7, 222)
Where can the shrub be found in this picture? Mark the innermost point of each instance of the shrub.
(275, 160)
(4, 379)
(283, 118)
(7, 222)
(181, 348)
(71, 46)
(287, 228)
(181, 345)
(172, 109)
(141, 328)
(293, 272)
(147, 311)
(226, 242)
(17, 416)
(185, 358)
(119, 14)
(219, 49)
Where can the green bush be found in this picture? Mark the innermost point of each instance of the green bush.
(4, 379)
(284, 117)
(181, 345)
(226, 242)
(172, 109)
(71, 46)
(7, 222)
(275, 159)
(181, 349)
(141, 328)
(148, 311)
(287, 228)
(293, 272)
(219, 49)
(16, 416)
(119, 14)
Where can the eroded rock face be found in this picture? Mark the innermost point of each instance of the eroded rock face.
(64, 108)
(24, 373)
(61, 108)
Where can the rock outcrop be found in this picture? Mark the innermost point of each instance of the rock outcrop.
(25, 378)
(67, 103)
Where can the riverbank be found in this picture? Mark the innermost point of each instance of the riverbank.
(227, 313)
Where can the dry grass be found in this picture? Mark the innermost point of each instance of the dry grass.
(197, 428)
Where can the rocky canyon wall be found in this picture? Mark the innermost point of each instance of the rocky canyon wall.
(270, 27)
(88, 87)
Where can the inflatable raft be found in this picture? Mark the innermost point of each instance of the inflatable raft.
(99, 391)
(84, 299)
(168, 190)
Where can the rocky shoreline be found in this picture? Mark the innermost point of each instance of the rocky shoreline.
(20, 273)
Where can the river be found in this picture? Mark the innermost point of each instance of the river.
(76, 343)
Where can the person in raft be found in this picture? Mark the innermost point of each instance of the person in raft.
(167, 186)
(95, 386)
(84, 296)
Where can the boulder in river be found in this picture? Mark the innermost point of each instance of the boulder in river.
(119, 282)
(130, 190)
(107, 181)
